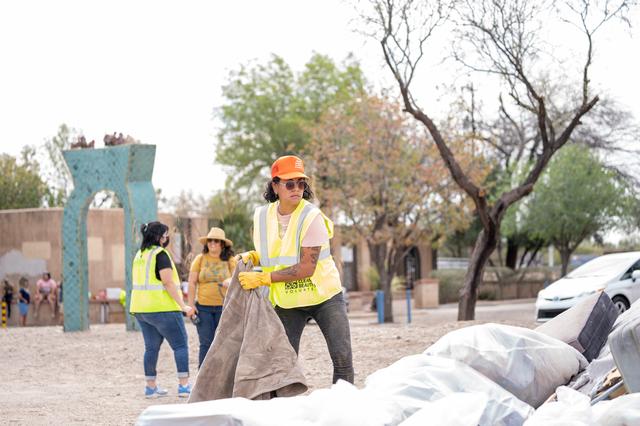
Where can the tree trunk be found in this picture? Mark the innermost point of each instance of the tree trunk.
(385, 282)
(565, 257)
(434, 259)
(511, 258)
(485, 244)
(378, 254)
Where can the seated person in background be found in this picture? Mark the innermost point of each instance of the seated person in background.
(7, 296)
(60, 304)
(24, 299)
(46, 290)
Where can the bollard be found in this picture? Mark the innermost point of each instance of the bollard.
(408, 306)
(380, 305)
(4, 314)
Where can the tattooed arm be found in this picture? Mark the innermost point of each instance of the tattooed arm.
(306, 267)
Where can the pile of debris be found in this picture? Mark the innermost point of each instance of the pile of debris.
(81, 143)
(109, 140)
(580, 368)
(119, 139)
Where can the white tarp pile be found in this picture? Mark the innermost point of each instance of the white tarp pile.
(416, 382)
(488, 374)
(341, 405)
(574, 408)
(526, 363)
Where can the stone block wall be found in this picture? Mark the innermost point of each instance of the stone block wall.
(31, 244)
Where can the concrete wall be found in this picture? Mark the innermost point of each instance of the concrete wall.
(31, 244)
(363, 260)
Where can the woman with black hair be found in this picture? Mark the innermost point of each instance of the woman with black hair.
(209, 278)
(291, 239)
(156, 302)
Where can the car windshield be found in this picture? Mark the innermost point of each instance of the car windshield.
(603, 266)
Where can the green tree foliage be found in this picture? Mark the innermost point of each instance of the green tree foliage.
(20, 184)
(54, 170)
(378, 176)
(268, 109)
(229, 212)
(576, 198)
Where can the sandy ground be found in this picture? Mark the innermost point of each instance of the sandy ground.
(96, 377)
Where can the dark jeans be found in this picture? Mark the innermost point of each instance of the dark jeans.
(157, 326)
(209, 319)
(331, 317)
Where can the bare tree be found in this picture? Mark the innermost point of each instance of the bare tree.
(503, 39)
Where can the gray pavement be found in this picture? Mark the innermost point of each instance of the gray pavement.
(517, 310)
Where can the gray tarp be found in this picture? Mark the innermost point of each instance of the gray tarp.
(250, 356)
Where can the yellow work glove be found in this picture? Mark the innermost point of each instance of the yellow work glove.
(251, 280)
(250, 256)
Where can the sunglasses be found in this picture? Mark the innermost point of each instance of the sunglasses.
(214, 241)
(291, 184)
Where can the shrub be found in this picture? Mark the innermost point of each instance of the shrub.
(373, 277)
(398, 283)
(487, 295)
(450, 283)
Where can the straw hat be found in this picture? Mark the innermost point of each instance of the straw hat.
(215, 234)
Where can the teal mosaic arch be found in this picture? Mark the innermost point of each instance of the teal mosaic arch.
(125, 170)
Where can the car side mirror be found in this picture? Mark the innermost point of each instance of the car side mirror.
(635, 275)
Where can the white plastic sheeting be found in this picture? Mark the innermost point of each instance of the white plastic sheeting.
(590, 380)
(446, 411)
(526, 363)
(574, 409)
(622, 411)
(391, 396)
(341, 405)
(571, 408)
(414, 381)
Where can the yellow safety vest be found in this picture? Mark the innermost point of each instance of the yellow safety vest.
(279, 253)
(148, 294)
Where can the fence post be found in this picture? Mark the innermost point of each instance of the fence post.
(4, 314)
(380, 305)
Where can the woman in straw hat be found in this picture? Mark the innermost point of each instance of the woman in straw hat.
(291, 239)
(209, 278)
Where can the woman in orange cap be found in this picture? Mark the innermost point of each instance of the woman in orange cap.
(209, 279)
(291, 240)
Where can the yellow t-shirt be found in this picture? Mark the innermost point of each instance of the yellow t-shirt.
(211, 272)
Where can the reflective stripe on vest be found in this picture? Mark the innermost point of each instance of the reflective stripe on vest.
(284, 260)
(148, 293)
(147, 273)
(277, 253)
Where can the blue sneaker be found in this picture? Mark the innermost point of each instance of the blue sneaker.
(154, 392)
(184, 391)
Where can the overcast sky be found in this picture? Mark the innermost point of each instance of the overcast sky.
(154, 69)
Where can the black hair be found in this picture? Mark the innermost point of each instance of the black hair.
(225, 254)
(151, 234)
(47, 274)
(271, 196)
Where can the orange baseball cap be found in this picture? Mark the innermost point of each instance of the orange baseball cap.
(288, 167)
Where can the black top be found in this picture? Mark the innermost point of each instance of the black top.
(8, 294)
(25, 295)
(162, 262)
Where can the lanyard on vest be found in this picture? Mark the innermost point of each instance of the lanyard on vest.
(147, 285)
(266, 259)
